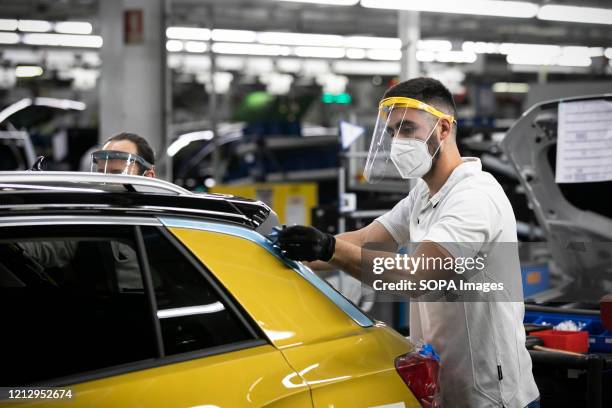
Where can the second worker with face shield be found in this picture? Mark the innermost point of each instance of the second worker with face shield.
(452, 204)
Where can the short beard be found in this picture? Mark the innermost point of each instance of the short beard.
(434, 149)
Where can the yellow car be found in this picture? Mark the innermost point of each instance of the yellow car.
(122, 291)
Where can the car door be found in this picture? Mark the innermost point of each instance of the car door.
(122, 316)
(346, 359)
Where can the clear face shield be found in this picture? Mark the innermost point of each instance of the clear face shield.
(402, 146)
(117, 162)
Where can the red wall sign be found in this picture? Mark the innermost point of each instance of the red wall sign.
(133, 26)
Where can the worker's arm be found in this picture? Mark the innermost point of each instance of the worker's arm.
(308, 243)
(372, 233)
(358, 262)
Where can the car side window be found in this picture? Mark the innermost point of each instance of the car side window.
(194, 313)
(71, 301)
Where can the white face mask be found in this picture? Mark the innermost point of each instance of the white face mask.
(411, 156)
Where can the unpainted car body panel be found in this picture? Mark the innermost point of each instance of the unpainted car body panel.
(530, 146)
(345, 364)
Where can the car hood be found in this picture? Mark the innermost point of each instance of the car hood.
(575, 217)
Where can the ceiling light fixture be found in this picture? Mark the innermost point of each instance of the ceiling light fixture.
(250, 49)
(63, 40)
(39, 26)
(326, 40)
(319, 52)
(174, 46)
(8, 24)
(326, 2)
(575, 14)
(73, 27)
(242, 36)
(497, 8)
(9, 38)
(188, 33)
(28, 71)
(195, 46)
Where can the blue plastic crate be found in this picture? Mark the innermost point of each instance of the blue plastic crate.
(600, 339)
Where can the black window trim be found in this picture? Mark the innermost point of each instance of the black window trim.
(147, 282)
(259, 339)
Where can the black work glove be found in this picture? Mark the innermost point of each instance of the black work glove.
(303, 243)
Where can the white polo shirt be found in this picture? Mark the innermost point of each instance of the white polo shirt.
(481, 344)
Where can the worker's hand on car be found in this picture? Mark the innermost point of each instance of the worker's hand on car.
(303, 243)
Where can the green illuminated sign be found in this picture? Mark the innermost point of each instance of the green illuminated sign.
(338, 99)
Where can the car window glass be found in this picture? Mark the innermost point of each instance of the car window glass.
(192, 313)
(69, 305)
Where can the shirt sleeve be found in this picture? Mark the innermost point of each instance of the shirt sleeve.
(397, 221)
(469, 219)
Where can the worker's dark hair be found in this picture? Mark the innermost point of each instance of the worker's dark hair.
(428, 90)
(143, 148)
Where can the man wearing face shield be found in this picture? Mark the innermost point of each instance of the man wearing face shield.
(122, 154)
(453, 205)
(125, 153)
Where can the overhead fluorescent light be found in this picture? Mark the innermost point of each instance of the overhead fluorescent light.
(73, 27)
(575, 14)
(510, 87)
(195, 46)
(366, 67)
(188, 33)
(536, 50)
(319, 52)
(517, 9)
(28, 71)
(243, 36)
(608, 53)
(174, 46)
(435, 45)
(8, 24)
(250, 49)
(9, 38)
(545, 54)
(481, 47)
(372, 42)
(326, 40)
(385, 55)
(326, 2)
(63, 40)
(550, 55)
(355, 53)
(425, 56)
(456, 56)
(293, 65)
(34, 25)
(230, 63)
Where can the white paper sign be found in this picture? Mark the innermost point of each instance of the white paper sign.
(584, 142)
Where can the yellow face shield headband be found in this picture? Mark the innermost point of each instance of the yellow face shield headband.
(402, 102)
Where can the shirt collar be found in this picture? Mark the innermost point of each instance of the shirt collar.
(469, 167)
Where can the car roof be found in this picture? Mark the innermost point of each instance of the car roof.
(61, 193)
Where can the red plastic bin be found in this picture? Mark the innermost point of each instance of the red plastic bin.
(565, 340)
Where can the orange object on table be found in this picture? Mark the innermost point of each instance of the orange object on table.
(565, 340)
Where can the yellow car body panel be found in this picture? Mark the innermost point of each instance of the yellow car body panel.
(345, 365)
(318, 356)
(251, 377)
